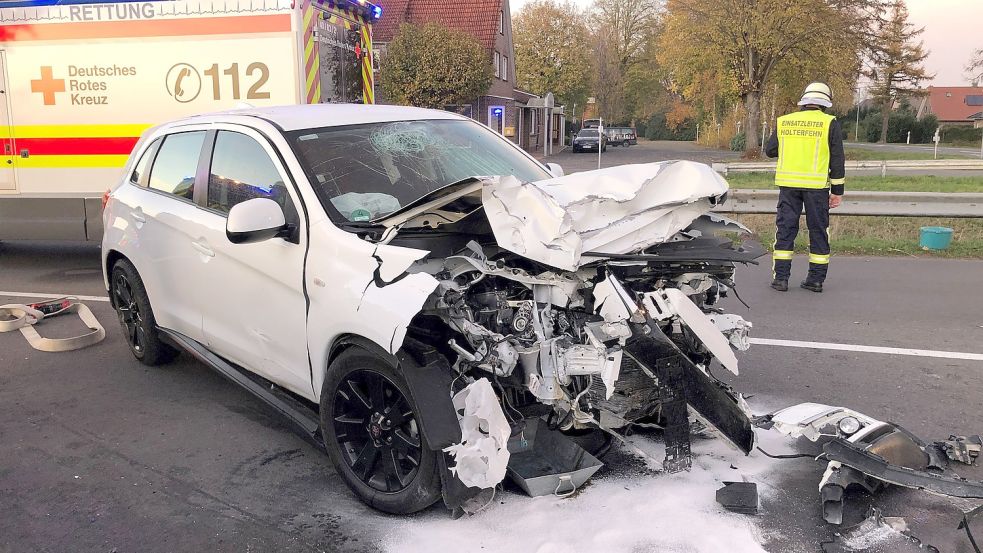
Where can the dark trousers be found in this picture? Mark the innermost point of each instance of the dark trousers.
(790, 204)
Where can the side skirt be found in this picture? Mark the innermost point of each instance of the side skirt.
(302, 416)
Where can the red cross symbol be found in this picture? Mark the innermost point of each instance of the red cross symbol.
(48, 85)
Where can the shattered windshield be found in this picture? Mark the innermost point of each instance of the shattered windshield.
(370, 170)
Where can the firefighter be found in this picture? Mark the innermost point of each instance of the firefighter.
(810, 173)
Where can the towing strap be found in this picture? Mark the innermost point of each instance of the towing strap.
(24, 317)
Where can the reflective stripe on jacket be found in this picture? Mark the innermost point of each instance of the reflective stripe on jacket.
(803, 149)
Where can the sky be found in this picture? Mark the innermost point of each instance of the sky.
(951, 34)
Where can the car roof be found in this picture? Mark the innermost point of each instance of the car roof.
(310, 116)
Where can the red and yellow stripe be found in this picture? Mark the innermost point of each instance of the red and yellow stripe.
(69, 146)
(312, 70)
(368, 81)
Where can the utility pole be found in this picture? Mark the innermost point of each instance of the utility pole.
(600, 139)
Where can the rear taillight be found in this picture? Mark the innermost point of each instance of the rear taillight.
(105, 199)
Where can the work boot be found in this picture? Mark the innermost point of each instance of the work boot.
(812, 286)
(780, 285)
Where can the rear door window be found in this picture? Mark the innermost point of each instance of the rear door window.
(139, 174)
(176, 164)
(242, 170)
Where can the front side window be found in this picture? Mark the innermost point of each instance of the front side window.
(176, 163)
(505, 68)
(498, 63)
(242, 170)
(368, 171)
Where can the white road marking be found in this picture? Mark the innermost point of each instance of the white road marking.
(869, 349)
(52, 296)
(758, 341)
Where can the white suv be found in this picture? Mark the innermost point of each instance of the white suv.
(368, 262)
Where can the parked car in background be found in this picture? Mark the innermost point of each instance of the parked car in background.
(591, 124)
(621, 136)
(589, 140)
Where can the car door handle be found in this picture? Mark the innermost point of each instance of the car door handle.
(203, 249)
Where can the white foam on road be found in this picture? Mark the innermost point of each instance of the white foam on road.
(39, 295)
(869, 349)
(675, 513)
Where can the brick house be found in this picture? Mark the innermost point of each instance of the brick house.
(518, 115)
(952, 105)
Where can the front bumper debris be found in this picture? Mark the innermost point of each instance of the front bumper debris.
(869, 453)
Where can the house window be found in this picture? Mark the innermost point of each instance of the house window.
(498, 63)
(501, 22)
(971, 100)
(948, 95)
(505, 68)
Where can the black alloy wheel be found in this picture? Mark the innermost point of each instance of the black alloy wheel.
(376, 431)
(136, 318)
(129, 314)
(373, 433)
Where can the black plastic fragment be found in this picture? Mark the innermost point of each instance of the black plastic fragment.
(854, 456)
(739, 497)
(964, 525)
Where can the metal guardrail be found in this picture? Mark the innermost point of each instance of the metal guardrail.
(883, 166)
(888, 204)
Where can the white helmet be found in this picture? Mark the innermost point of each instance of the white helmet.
(817, 94)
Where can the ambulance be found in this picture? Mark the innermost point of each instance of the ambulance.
(80, 82)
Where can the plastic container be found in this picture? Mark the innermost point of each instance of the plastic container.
(549, 463)
(935, 238)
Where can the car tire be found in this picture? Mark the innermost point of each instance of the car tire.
(372, 450)
(136, 317)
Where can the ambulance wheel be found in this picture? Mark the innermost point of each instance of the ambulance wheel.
(372, 434)
(136, 318)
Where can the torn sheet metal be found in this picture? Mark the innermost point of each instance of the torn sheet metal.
(392, 306)
(735, 328)
(669, 302)
(482, 456)
(616, 210)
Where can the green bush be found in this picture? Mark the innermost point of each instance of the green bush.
(739, 142)
(961, 134)
(900, 122)
(656, 129)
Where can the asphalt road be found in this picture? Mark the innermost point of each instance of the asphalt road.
(644, 152)
(103, 454)
(663, 150)
(919, 148)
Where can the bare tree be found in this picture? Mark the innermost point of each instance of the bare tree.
(974, 69)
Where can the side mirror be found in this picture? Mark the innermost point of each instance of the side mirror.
(555, 169)
(254, 220)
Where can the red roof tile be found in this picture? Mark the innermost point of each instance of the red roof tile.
(948, 103)
(478, 18)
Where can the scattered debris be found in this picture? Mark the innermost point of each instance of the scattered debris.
(962, 449)
(869, 453)
(739, 497)
(878, 533)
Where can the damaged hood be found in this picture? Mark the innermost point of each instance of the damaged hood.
(561, 221)
(618, 210)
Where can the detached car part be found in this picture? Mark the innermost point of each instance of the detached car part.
(866, 452)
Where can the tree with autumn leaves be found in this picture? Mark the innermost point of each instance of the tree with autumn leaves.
(433, 66)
